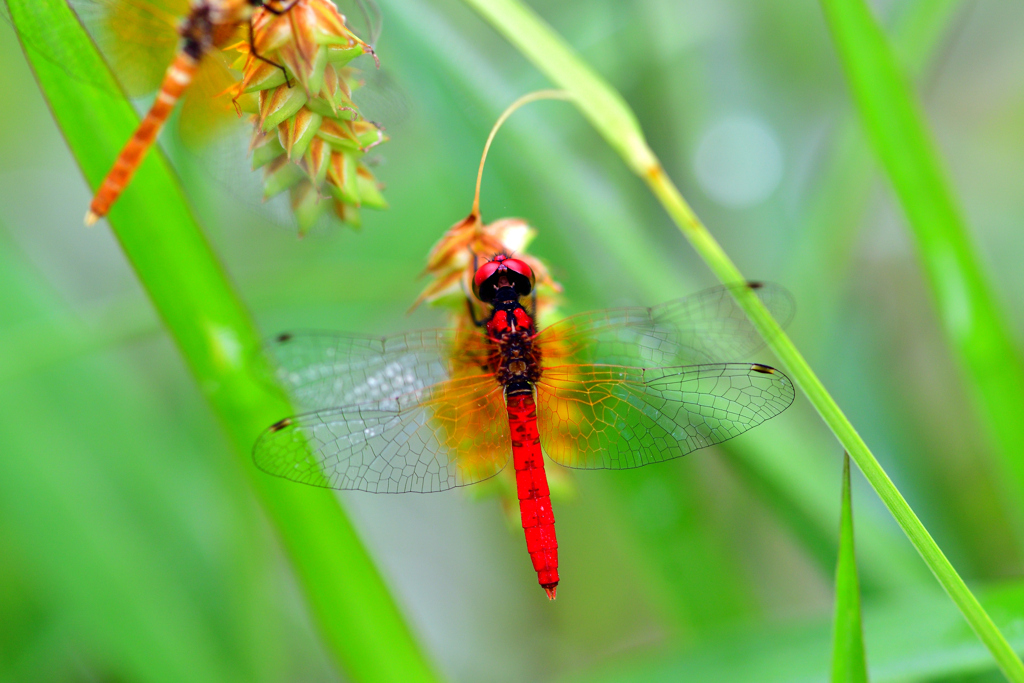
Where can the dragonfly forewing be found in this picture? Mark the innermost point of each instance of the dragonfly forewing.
(619, 417)
(450, 434)
(138, 39)
(331, 369)
(702, 328)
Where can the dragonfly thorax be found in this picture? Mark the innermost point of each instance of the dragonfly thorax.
(515, 357)
(197, 31)
(213, 22)
(231, 11)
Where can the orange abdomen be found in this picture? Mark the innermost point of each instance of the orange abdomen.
(532, 488)
(178, 77)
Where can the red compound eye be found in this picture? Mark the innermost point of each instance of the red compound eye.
(517, 266)
(518, 273)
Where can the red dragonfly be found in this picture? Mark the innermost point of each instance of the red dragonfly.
(167, 46)
(431, 410)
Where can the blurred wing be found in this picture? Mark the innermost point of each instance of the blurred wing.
(138, 38)
(451, 434)
(208, 109)
(706, 327)
(324, 369)
(616, 417)
(362, 18)
(379, 96)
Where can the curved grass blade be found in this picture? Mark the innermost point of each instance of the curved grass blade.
(359, 621)
(842, 196)
(967, 305)
(613, 119)
(848, 662)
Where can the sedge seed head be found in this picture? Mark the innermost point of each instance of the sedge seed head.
(308, 135)
(450, 263)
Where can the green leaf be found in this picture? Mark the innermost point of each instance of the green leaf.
(843, 194)
(359, 621)
(848, 662)
(93, 526)
(610, 115)
(966, 303)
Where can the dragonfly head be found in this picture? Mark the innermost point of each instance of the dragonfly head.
(502, 271)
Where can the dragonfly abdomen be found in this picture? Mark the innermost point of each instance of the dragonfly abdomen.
(532, 488)
(178, 77)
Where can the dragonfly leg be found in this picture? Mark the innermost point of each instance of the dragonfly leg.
(469, 298)
(257, 55)
(472, 313)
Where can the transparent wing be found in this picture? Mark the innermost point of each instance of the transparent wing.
(363, 18)
(138, 38)
(617, 417)
(208, 110)
(323, 369)
(703, 328)
(379, 96)
(450, 434)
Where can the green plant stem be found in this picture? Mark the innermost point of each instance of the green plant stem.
(357, 617)
(613, 119)
(966, 303)
(804, 376)
(848, 661)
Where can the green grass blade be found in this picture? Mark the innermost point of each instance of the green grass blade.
(360, 623)
(73, 531)
(848, 662)
(913, 636)
(614, 121)
(843, 192)
(967, 305)
(824, 261)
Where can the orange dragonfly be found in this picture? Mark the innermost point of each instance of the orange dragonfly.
(168, 47)
(432, 410)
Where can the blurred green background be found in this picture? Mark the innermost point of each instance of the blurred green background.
(121, 503)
